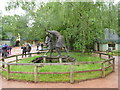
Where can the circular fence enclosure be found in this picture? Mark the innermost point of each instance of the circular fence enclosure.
(6, 66)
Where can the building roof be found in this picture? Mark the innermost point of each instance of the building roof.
(110, 36)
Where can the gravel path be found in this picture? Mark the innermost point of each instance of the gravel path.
(110, 81)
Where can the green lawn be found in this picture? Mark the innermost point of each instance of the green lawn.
(62, 68)
(115, 52)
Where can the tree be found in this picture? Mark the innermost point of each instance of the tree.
(82, 23)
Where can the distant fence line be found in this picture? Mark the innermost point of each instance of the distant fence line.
(110, 60)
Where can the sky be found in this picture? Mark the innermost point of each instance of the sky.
(3, 3)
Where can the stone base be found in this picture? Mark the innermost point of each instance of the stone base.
(44, 59)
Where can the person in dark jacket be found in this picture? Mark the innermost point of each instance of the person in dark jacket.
(10, 48)
(38, 44)
(41, 46)
(28, 48)
(4, 50)
(23, 51)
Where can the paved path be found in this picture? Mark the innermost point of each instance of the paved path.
(110, 81)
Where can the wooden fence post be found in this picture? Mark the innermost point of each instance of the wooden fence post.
(8, 72)
(3, 63)
(44, 59)
(71, 73)
(35, 74)
(103, 70)
(108, 56)
(113, 64)
(16, 59)
(100, 55)
(60, 60)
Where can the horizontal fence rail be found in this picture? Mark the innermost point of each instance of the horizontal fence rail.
(56, 72)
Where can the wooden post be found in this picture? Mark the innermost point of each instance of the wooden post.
(108, 56)
(16, 59)
(71, 73)
(113, 64)
(100, 55)
(60, 60)
(3, 63)
(103, 70)
(35, 74)
(8, 72)
(44, 59)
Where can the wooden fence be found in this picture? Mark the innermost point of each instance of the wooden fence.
(110, 60)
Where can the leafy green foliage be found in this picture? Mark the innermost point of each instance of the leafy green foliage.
(81, 23)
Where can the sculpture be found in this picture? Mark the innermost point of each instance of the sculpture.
(54, 40)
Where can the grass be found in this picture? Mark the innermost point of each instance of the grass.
(115, 52)
(62, 68)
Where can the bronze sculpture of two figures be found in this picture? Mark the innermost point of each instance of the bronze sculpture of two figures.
(55, 41)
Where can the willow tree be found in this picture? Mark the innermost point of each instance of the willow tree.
(82, 23)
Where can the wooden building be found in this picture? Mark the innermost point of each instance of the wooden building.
(111, 41)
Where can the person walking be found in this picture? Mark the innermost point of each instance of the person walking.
(9, 48)
(41, 46)
(4, 50)
(38, 44)
(23, 51)
(28, 48)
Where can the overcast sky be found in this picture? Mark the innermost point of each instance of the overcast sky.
(3, 3)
